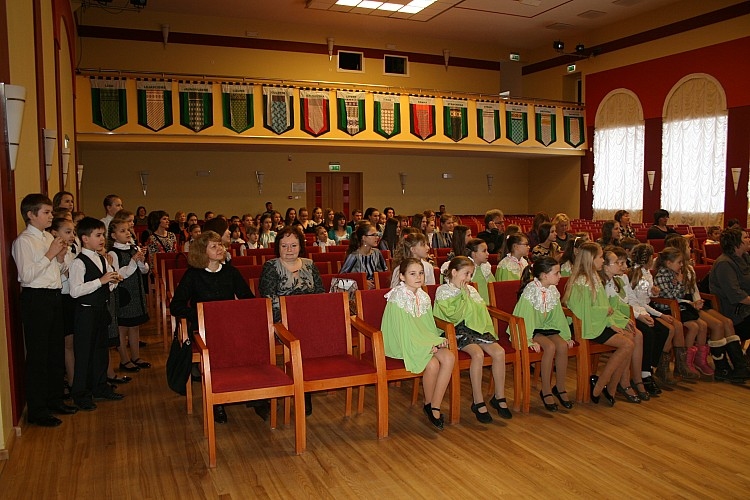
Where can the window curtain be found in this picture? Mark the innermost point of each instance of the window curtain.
(694, 150)
(618, 157)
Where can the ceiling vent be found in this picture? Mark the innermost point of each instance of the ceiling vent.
(592, 14)
(559, 26)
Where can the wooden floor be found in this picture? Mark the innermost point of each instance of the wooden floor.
(690, 443)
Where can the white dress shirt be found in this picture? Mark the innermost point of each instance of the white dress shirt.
(77, 273)
(127, 271)
(35, 270)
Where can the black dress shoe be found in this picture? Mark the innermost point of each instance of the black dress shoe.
(567, 404)
(631, 398)
(592, 382)
(435, 421)
(140, 363)
(142, 343)
(131, 369)
(548, 406)
(653, 389)
(45, 421)
(220, 415)
(119, 380)
(108, 396)
(642, 394)
(503, 412)
(63, 409)
(609, 397)
(86, 405)
(485, 417)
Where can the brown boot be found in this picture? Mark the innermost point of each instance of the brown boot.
(662, 370)
(681, 367)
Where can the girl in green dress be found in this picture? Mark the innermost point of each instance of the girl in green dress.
(547, 328)
(572, 247)
(585, 296)
(460, 303)
(513, 264)
(476, 249)
(409, 333)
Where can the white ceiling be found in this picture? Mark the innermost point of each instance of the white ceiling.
(504, 23)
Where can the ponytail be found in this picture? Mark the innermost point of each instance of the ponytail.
(535, 270)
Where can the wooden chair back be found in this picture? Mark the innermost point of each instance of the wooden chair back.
(244, 260)
(383, 279)
(320, 322)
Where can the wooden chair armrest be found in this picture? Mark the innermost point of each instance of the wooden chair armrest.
(285, 336)
(709, 297)
(512, 324)
(364, 328)
(201, 345)
(577, 326)
(292, 350)
(184, 334)
(674, 307)
(450, 334)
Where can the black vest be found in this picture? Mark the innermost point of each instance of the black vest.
(101, 295)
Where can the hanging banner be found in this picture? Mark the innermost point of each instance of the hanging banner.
(387, 111)
(422, 116)
(196, 105)
(545, 119)
(455, 119)
(573, 125)
(109, 104)
(351, 111)
(314, 111)
(488, 121)
(154, 103)
(517, 122)
(237, 106)
(278, 109)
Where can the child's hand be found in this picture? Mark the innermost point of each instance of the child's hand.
(110, 277)
(667, 318)
(655, 291)
(571, 343)
(139, 256)
(55, 248)
(610, 311)
(698, 304)
(535, 347)
(647, 319)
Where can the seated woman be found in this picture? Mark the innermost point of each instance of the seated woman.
(340, 230)
(547, 246)
(562, 224)
(610, 233)
(207, 279)
(660, 230)
(626, 230)
(363, 255)
(160, 239)
(290, 273)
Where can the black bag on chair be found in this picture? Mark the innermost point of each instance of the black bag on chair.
(179, 364)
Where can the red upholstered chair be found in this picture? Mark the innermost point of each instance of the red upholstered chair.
(323, 267)
(254, 283)
(711, 253)
(238, 363)
(165, 262)
(174, 276)
(328, 257)
(338, 248)
(243, 260)
(310, 249)
(259, 253)
(248, 272)
(322, 324)
(383, 280)
(370, 307)
(360, 278)
(657, 244)
(503, 296)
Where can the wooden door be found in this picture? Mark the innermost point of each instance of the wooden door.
(341, 191)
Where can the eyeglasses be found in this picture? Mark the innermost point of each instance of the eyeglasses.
(374, 234)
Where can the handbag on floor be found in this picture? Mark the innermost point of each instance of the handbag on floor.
(179, 364)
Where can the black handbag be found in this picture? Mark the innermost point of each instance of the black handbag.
(179, 364)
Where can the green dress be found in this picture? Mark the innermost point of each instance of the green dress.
(409, 330)
(465, 305)
(566, 269)
(482, 276)
(617, 295)
(541, 310)
(510, 268)
(592, 311)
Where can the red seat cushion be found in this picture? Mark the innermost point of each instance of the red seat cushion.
(390, 363)
(242, 378)
(334, 367)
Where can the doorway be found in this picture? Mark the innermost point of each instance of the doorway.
(341, 191)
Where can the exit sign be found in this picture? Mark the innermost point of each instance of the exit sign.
(515, 56)
(334, 167)
(571, 68)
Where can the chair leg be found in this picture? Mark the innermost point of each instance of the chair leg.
(381, 391)
(526, 383)
(273, 419)
(361, 399)
(211, 442)
(415, 391)
(287, 408)
(517, 385)
(300, 429)
(455, 387)
(189, 395)
(348, 410)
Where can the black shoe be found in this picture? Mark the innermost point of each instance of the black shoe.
(643, 395)
(63, 409)
(220, 415)
(262, 408)
(131, 369)
(650, 384)
(140, 363)
(503, 412)
(85, 405)
(119, 380)
(548, 406)
(308, 404)
(45, 421)
(609, 397)
(567, 404)
(485, 417)
(631, 398)
(142, 343)
(108, 396)
(436, 421)
(593, 379)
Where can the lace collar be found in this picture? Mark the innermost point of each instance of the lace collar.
(541, 298)
(449, 290)
(486, 268)
(581, 280)
(416, 304)
(513, 264)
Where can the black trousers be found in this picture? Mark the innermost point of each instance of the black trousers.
(654, 338)
(43, 334)
(743, 329)
(91, 353)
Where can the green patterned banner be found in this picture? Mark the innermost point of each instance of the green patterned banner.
(573, 125)
(387, 111)
(154, 103)
(237, 106)
(517, 122)
(488, 121)
(109, 102)
(351, 111)
(545, 119)
(455, 119)
(196, 105)
(278, 109)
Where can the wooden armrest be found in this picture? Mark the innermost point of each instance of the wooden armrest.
(577, 326)
(709, 297)
(674, 307)
(184, 334)
(285, 336)
(201, 345)
(450, 334)
(513, 322)
(364, 328)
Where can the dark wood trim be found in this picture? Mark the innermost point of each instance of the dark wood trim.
(725, 14)
(652, 150)
(586, 203)
(8, 232)
(40, 104)
(88, 31)
(738, 155)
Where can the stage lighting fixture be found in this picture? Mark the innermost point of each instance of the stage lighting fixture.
(558, 45)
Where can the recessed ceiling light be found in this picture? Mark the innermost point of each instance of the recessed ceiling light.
(420, 3)
(347, 3)
(410, 10)
(369, 4)
(393, 7)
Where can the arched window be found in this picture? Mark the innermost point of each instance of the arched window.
(618, 156)
(694, 151)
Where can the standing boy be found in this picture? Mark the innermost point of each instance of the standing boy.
(40, 259)
(91, 280)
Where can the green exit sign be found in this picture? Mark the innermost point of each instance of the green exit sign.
(334, 167)
(571, 68)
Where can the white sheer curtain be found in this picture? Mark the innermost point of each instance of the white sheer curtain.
(694, 150)
(618, 156)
